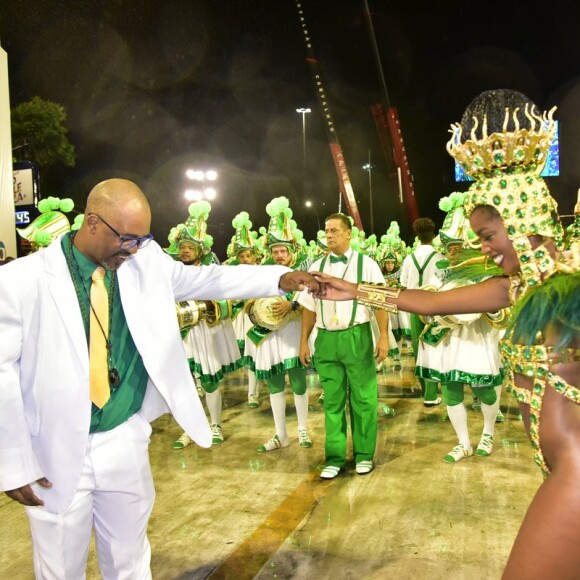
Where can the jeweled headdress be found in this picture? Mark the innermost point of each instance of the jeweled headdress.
(502, 143)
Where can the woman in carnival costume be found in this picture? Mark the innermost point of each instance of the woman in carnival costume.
(459, 350)
(210, 344)
(502, 142)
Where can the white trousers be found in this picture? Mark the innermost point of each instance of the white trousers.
(115, 496)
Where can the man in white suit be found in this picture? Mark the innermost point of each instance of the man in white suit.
(76, 466)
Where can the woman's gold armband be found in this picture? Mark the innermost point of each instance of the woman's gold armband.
(377, 296)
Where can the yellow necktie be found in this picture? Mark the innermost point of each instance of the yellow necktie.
(98, 336)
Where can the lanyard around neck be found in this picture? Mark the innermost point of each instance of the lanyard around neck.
(359, 280)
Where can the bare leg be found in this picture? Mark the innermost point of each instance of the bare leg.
(547, 543)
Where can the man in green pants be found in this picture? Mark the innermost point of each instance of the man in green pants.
(344, 352)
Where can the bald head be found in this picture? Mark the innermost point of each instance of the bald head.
(115, 207)
(114, 195)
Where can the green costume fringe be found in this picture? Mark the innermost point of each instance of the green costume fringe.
(471, 265)
(556, 301)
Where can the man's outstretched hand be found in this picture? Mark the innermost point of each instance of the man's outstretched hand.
(331, 288)
(297, 281)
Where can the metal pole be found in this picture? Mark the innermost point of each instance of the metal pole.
(368, 167)
(371, 195)
(303, 111)
(304, 151)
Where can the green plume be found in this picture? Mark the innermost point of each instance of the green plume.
(277, 205)
(243, 218)
(78, 222)
(200, 209)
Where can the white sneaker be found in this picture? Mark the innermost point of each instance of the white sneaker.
(458, 453)
(434, 403)
(253, 401)
(330, 472)
(364, 467)
(183, 442)
(303, 438)
(272, 445)
(485, 446)
(217, 435)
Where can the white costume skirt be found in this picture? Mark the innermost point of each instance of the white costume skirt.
(212, 351)
(276, 353)
(468, 354)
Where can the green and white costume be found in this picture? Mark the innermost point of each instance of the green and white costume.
(417, 268)
(344, 359)
(273, 353)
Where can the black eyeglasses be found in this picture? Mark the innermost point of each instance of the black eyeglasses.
(128, 242)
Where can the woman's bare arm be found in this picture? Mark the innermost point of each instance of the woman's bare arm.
(488, 296)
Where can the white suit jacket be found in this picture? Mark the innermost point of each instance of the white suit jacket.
(45, 410)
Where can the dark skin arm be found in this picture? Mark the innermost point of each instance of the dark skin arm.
(488, 296)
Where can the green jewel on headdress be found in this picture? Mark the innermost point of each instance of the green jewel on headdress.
(573, 230)
(506, 165)
(50, 223)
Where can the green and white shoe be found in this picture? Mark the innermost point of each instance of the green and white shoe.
(303, 438)
(217, 435)
(485, 446)
(183, 442)
(272, 445)
(458, 453)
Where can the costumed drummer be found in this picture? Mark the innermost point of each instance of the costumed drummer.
(344, 353)
(243, 250)
(274, 350)
(390, 255)
(210, 344)
(502, 142)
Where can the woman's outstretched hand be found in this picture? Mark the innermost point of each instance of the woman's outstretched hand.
(331, 288)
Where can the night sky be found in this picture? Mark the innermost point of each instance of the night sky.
(153, 88)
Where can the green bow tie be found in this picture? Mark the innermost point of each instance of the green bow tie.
(335, 259)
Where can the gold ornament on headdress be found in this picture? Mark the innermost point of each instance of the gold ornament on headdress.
(506, 168)
(523, 147)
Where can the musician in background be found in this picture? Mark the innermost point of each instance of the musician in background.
(210, 345)
(456, 351)
(417, 268)
(243, 250)
(344, 352)
(274, 350)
